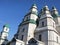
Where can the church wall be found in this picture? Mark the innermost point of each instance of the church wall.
(19, 43)
(28, 32)
(58, 28)
(21, 32)
(13, 43)
(53, 38)
(49, 37)
(59, 20)
(31, 29)
(44, 37)
(33, 17)
(40, 22)
(50, 22)
(41, 44)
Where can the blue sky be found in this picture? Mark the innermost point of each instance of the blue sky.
(13, 11)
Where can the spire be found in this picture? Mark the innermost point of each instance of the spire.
(32, 12)
(54, 11)
(34, 6)
(33, 9)
(45, 10)
(54, 8)
(46, 7)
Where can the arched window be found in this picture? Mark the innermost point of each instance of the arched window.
(27, 18)
(23, 29)
(39, 37)
(42, 24)
(22, 37)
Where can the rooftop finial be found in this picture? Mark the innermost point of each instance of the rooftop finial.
(54, 8)
(6, 25)
(34, 6)
(45, 8)
(54, 11)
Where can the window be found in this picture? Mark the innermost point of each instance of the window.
(57, 39)
(23, 30)
(39, 37)
(6, 29)
(22, 37)
(53, 24)
(42, 24)
(26, 18)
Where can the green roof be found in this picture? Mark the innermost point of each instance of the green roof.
(6, 25)
(53, 7)
(34, 4)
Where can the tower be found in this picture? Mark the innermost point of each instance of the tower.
(4, 34)
(28, 25)
(46, 30)
(56, 18)
(55, 15)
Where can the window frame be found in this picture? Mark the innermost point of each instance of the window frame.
(42, 23)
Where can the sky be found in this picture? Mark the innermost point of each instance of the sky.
(13, 11)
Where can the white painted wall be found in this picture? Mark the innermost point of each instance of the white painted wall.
(17, 42)
(13, 43)
(52, 37)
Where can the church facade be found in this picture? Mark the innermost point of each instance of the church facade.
(38, 29)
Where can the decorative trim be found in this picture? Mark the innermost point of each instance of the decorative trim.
(32, 21)
(47, 30)
(5, 32)
(46, 18)
(28, 21)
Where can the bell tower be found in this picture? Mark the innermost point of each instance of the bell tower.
(4, 34)
(28, 25)
(55, 15)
